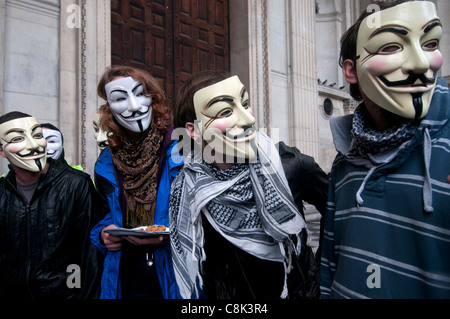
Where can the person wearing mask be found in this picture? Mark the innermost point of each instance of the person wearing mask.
(233, 216)
(47, 210)
(55, 144)
(133, 175)
(387, 222)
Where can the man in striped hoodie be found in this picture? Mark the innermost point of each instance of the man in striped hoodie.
(387, 225)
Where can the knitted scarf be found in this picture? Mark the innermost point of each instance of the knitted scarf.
(250, 205)
(366, 140)
(137, 161)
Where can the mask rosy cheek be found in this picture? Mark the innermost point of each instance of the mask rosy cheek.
(221, 125)
(13, 149)
(436, 62)
(377, 66)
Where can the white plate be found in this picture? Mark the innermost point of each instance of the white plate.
(135, 232)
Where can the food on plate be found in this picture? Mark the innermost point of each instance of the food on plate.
(154, 228)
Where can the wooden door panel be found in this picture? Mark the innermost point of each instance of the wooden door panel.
(201, 37)
(172, 39)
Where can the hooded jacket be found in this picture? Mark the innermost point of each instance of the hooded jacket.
(106, 182)
(387, 225)
(43, 244)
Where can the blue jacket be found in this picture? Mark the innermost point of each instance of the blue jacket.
(110, 283)
(387, 224)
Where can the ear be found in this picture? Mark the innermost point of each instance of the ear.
(192, 130)
(349, 70)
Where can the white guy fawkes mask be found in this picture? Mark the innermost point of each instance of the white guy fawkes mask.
(131, 108)
(399, 58)
(24, 144)
(54, 142)
(100, 135)
(227, 122)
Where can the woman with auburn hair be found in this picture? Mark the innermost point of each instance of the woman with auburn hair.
(163, 114)
(134, 175)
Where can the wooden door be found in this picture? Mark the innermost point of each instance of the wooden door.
(172, 39)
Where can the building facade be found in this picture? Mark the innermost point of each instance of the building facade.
(285, 51)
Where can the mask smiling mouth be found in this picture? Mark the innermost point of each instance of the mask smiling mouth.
(416, 81)
(135, 115)
(33, 153)
(247, 134)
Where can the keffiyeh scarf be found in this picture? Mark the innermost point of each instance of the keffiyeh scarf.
(366, 140)
(137, 161)
(250, 205)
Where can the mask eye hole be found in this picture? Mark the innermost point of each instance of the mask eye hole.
(17, 139)
(390, 48)
(225, 113)
(431, 45)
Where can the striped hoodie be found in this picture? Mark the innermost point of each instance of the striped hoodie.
(387, 225)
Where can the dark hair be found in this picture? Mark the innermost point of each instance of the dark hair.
(161, 114)
(12, 116)
(184, 110)
(348, 41)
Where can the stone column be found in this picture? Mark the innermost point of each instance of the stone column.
(85, 53)
(303, 76)
(249, 53)
(68, 76)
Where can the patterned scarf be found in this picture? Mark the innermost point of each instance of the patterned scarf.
(137, 161)
(366, 140)
(250, 205)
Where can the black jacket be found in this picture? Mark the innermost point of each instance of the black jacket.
(307, 181)
(231, 273)
(43, 243)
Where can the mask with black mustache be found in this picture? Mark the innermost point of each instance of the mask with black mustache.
(24, 144)
(398, 59)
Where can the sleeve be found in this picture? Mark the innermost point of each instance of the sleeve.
(315, 183)
(328, 257)
(104, 189)
(89, 212)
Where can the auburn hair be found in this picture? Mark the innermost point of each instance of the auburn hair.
(161, 114)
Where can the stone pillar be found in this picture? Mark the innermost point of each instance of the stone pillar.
(249, 53)
(303, 76)
(85, 53)
(68, 77)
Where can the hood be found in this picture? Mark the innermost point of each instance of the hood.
(431, 127)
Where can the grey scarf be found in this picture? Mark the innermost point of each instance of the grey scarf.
(250, 205)
(369, 141)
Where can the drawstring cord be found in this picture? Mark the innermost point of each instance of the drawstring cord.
(427, 188)
(359, 199)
